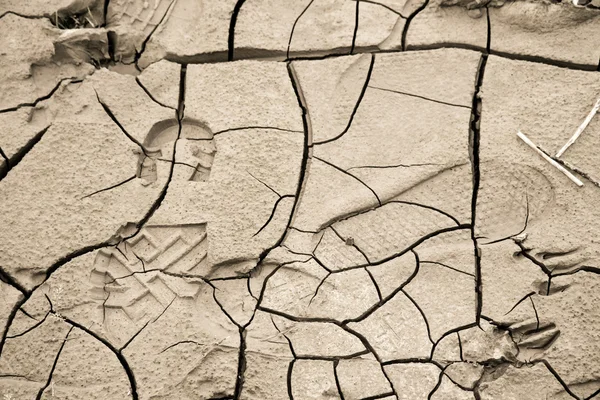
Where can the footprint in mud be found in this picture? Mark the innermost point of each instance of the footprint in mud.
(551, 223)
(195, 151)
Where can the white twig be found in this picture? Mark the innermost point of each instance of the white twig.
(550, 160)
(581, 128)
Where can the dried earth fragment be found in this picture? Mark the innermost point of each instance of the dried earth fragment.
(161, 80)
(465, 375)
(268, 359)
(412, 380)
(176, 30)
(201, 354)
(436, 289)
(442, 24)
(314, 379)
(30, 70)
(294, 28)
(547, 30)
(320, 339)
(362, 377)
(394, 274)
(389, 327)
(96, 375)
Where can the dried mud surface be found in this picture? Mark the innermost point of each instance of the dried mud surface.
(298, 199)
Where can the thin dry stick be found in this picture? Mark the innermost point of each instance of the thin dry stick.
(93, 24)
(581, 128)
(549, 159)
(573, 168)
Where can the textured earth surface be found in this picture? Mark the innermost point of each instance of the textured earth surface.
(298, 199)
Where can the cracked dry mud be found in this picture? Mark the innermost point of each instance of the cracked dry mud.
(298, 199)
